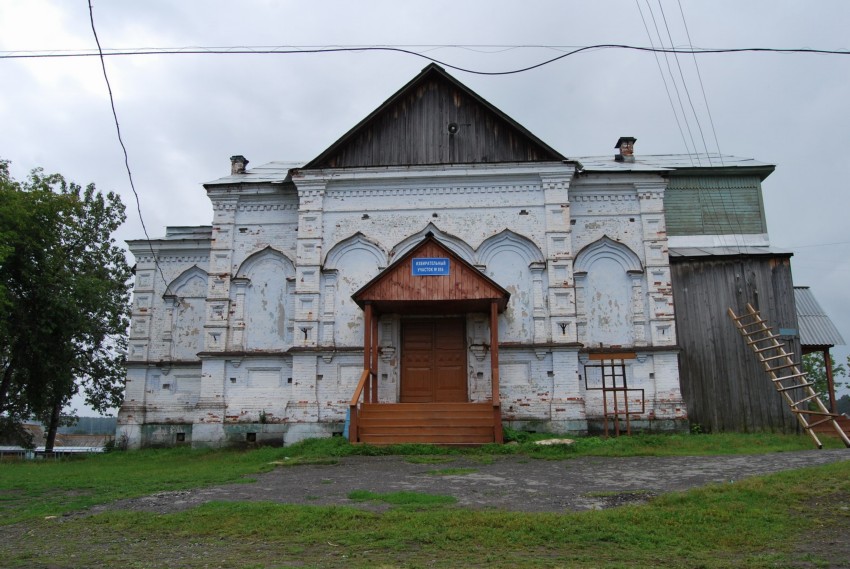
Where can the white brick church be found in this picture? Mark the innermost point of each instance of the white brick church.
(438, 263)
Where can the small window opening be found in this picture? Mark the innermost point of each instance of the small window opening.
(288, 380)
(523, 212)
(181, 437)
(251, 437)
(232, 380)
(166, 386)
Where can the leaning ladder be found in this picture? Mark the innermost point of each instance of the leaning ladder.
(785, 374)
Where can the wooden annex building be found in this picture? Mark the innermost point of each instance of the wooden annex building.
(439, 272)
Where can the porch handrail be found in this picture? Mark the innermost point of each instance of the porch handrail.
(361, 385)
(355, 401)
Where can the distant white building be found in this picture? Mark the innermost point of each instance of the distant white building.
(394, 251)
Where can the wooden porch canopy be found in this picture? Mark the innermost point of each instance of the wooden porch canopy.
(428, 280)
(453, 288)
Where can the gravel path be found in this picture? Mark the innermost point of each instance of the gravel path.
(509, 483)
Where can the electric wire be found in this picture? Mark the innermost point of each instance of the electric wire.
(701, 85)
(666, 87)
(684, 83)
(121, 142)
(675, 84)
(714, 198)
(287, 50)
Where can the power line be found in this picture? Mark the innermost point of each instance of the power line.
(121, 142)
(684, 82)
(675, 85)
(702, 87)
(289, 50)
(816, 245)
(666, 87)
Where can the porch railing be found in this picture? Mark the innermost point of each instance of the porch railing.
(367, 390)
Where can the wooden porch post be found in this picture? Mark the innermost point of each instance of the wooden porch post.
(830, 382)
(367, 350)
(494, 371)
(373, 368)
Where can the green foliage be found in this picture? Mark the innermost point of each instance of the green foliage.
(751, 524)
(401, 498)
(815, 368)
(64, 296)
(36, 488)
(843, 404)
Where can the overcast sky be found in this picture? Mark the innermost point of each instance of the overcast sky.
(183, 116)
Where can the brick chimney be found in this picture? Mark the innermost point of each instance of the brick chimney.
(238, 164)
(626, 144)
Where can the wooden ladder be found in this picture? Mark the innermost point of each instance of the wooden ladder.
(786, 375)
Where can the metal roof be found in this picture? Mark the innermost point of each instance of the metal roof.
(725, 251)
(275, 172)
(278, 171)
(664, 162)
(816, 329)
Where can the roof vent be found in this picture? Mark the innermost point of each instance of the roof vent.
(238, 164)
(626, 144)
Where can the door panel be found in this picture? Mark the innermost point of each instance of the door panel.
(433, 361)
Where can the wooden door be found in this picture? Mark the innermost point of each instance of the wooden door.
(433, 361)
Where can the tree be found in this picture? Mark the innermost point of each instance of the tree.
(815, 368)
(843, 405)
(64, 298)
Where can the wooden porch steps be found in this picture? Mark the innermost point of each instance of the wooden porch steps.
(436, 423)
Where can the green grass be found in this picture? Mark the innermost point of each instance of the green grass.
(748, 524)
(401, 498)
(33, 489)
(429, 459)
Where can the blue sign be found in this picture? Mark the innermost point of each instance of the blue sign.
(431, 267)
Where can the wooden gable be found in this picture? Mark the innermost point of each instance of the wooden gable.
(435, 119)
(399, 289)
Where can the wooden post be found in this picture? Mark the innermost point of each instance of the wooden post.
(494, 371)
(373, 368)
(830, 382)
(367, 350)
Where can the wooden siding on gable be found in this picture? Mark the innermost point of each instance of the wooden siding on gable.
(462, 282)
(464, 288)
(413, 128)
(723, 384)
(699, 205)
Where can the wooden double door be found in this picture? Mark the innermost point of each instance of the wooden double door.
(433, 361)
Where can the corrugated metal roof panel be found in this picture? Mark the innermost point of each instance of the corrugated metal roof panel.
(724, 251)
(273, 172)
(816, 329)
(656, 162)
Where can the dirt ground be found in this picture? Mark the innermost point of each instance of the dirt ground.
(509, 483)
